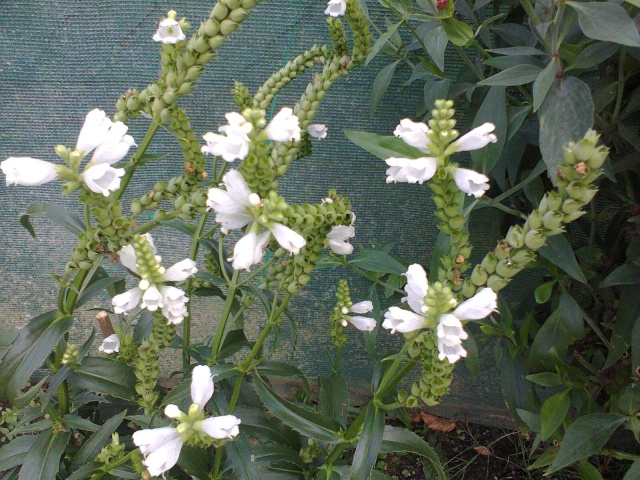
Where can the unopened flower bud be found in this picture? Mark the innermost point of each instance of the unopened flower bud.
(515, 237)
(534, 239)
(496, 282)
(599, 156)
(534, 220)
(552, 220)
(489, 263)
(479, 276)
(583, 150)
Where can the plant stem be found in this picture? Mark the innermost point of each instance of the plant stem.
(531, 12)
(620, 89)
(468, 62)
(87, 217)
(222, 324)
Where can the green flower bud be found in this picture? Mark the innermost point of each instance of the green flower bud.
(479, 276)
(570, 217)
(238, 15)
(496, 282)
(552, 220)
(534, 239)
(136, 207)
(227, 27)
(599, 156)
(515, 237)
(580, 191)
(583, 150)
(506, 269)
(534, 220)
(489, 263)
(468, 289)
(522, 257)
(457, 222)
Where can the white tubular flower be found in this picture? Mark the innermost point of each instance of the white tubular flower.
(152, 299)
(103, 178)
(222, 427)
(336, 8)
(287, 238)
(249, 250)
(450, 335)
(362, 307)
(161, 448)
(173, 304)
(201, 385)
(180, 271)
(284, 126)
(471, 182)
(399, 320)
(28, 171)
(413, 134)
(115, 146)
(169, 31)
(110, 345)
(477, 138)
(410, 170)
(94, 131)
(416, 288)
(450, 349)
(231, 205)
(317, 130)
(482, 304)
(364, 324)
(339, 237)
(234, 145)
(127, 301)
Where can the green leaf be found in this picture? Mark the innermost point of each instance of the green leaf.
(369, 444)
(14, 452)
(546, 379)
(627, 274)
(333, 398)
(554, 410)
(435, 90)
(311, 424)
(593, 55)
(634, 471)
(370, 337)
(79, 423)
(103, 375)
(518, 75)
(553, 336)
(543, 83)
(30, 348)
(258, 424)
(606, 21)
(402, 440)
(42, 462)
(436, 40)
(25, 398)
(459, 33)
(381, 146)
(494, 110)
(242, 459)
(543, 292)
(516, 390)
(381, 41)
(86, 471)
(274, 368)
(379, 262)
(532, 420)
(565, 115)
(6, 339)
(559, 252)
(381, 84)
(517, 51)
(509, 61)
(193, 462)
(56, 214)
(95, 288)
(585, 437)
(588, 471)
(571, 315)
(627, 315)
(92, 446)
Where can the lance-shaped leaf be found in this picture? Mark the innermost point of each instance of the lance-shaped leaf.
(43, 459)
(606, 21)
(402, 440)
(242, 458)
(56, 214)
(103, 375)
(14, 453)
(366, 452)
(382, 146)
(99, 439)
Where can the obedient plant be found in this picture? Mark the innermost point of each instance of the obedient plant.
(244, 428)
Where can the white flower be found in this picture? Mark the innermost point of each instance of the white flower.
(180, 271)
(249, 250)
(477, 307)
(471, 182)
(234, 145)
(28, 171)
(201, 385)
(94, 131)
(161, 448)
(225, 426)
(410, 170)
(173, 304)
(284, 127)
(231, 205)
(399, 320)
(115, 146)
(362, 307)
(111, 344)
(169, 31)
(152, 298)
(317, 130)
(336, 8)
(413, 134)
(103, 178)
(287, 238)
(477, 138)
(126, 301)
(416, 288)
(450, 335)
(364, 324)
(339, 237)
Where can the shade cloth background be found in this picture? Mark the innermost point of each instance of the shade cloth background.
(60, 59)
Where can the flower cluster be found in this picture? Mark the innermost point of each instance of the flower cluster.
(340, 317)
(161, 446)
(141, 258)
(427, 311)
(109, 142)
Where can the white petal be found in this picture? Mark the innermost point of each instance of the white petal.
(225, 426)
(398, 320)
(416, 287)
(451, 351)
(111, 152)
(471, 182)
(201, 385)
(126, 301)
(477, 138)
(180, 271)
(111, 344)
(249, 250)
(336, 8)
(317, 130)
(127, 257)
(284, 127)
(172, 411)
(151, 439)
(479, 306)
(169, 31)
(94, 131)
(410, 170)
(450, 326)
(103, 178)
(237, 187)
(362, 307)
(413, 134)
(28, 171)
(152, 299)
(164, 458)
(364, 324)
(339, 239)
(173, 304)
(287, 238)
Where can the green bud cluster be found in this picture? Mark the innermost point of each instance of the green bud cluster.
(70, 355)
(361, 34)
(130, 104)
(241, 95)
(128, 349)
(180, 185)
(441, 127)
(312, 451)
(337, 317)
(575, 188)
(280, 79)
(314, 223)
(147, 262)
(112, 451)
(146, 363)
(9, 420)
(211, 266)
(338, 36)
(195, 163)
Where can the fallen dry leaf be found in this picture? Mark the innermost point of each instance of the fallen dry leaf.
(483, 451)
(436, 423)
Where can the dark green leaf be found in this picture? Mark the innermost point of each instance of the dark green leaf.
(95, 288)
(25, 398)
(369, 444)
(553, 336)
(607, 22)
(593, 55)
(517, 51)
(435, 90)
(585, 437)
(628, 315)
(517, 391)
(193, 462)
(627, 274)
(554, 410)
(459, 33)
(14, 452)
(370, 337)
(381, 41)
(149, 157)
(588, 471)
(85, 471)
(436, 41)
(258, 424)
(494, 110)
(559, 252)
(515, 34)
(32, 346)
(102, 375)
(43, 459)
(92, 446)
(565, 115)
(242, 459)
(6, 339)
(56, 214)
(518, 75)
(269, 368)
(532, 420)
(571, 315)
(402, 440)
(333, 398)
(379, 262)
(509, 61)
(311, 424)
(634, 471)
(79, 423)
(381, 84)
(382, 147)
(543, 292)
(543, 83)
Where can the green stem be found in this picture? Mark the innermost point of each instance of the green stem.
(620, 89)
(113, 465)
(531, 12)
(186, 324)
(222, 324)
(216, 464)
(87, 217)
(468, 62)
